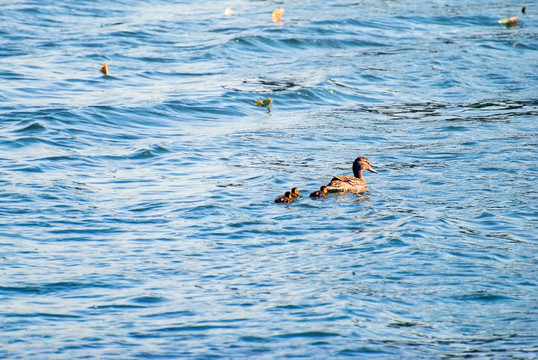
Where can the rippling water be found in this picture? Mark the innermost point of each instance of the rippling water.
(136, 210)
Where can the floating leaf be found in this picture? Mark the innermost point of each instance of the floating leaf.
(265, 103)
(228, 12)
(508, 21)
(104, 69)
(277, 14)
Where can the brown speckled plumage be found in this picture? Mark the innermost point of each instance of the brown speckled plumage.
(286, 198)
(319, 193)
(354, 184)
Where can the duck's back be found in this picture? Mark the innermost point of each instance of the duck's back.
(347, 183)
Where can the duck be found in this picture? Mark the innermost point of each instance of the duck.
(322, 192)
(286, 198)
(295, 193)
(354, 184)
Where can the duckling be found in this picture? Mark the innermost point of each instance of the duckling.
(295, 193)
(322, 192)
(286, 198)
(354, 184)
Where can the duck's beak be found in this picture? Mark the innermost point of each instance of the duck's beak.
(372, 170)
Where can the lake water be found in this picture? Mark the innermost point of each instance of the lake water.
(136, 209)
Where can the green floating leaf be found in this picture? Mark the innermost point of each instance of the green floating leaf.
(508, 20)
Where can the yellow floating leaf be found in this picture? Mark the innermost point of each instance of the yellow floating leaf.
(277, 14)
(104, 69)
(228, 12)
(265, 103)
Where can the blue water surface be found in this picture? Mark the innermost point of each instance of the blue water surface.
(136, 209)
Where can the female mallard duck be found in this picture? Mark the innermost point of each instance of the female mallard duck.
(295, 193)
(354, 184)
(322, 192)
(286, 198)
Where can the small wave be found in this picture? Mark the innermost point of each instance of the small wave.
(29, 169)
(33, 128)
(153, 151)
(190, 328)
(52, 287)
(282, 44)
(142, 154)
(11, 75)
(30, 141)
(309, 334)
(481, 296)
(45, 315)
(148, 299)
(117, 306)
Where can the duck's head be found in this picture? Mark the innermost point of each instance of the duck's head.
(295, 192)
(323, 190)
(361, 163)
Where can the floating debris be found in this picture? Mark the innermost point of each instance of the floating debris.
(265, 103)
(228, 12)
(523, 9)
(104, 69)
(508, 22)
(277, 14)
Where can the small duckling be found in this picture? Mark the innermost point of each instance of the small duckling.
(286, 198)
(322, 192)
(295, 193)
